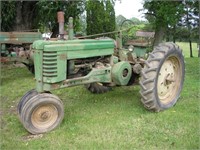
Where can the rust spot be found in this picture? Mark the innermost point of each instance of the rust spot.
(12, 36)
(55, 86)
(63, 56)
(4, 59)
(19, 37)
(60, 16)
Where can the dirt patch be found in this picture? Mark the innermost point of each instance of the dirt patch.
(1, 113)
(2, 123)
(10, 65)
(32, 137)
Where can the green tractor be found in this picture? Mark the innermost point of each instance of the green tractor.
(99, 64)
(15, 47)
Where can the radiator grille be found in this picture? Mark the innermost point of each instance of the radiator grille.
(50, 64)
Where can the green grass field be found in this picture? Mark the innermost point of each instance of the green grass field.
(186, 49)
(114, 120)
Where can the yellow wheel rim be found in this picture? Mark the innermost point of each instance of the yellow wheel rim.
(44, 116)
(169, 80)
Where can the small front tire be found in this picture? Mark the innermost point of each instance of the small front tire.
(25, 98)
(42, 113)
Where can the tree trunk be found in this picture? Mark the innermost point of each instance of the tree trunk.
(174, 34)
(25, 12)
(18, 19)
(199, 32)
(159, 35)
(28, 14)
(167, 35)
(191, 55)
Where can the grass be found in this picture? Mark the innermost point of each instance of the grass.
(186, 48)
(114, 120)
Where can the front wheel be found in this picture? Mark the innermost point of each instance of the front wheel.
(24, 99)
(42, 113)
(162, 77)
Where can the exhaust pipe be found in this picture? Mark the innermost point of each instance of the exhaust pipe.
(61, 20)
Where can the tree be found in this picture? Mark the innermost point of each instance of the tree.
(190, 19)
(26, 15)
(162, 14)
(83, 23)
(17, 15)
(119, 20)
(7, 14)
(71, 9)
(95, 17)
(100, 16)
(135, 20)
(109, 22)
(175, 19)
(199, 31)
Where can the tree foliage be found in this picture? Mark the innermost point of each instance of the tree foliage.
(162, 14)
(25, 15)
(100, 16)
(120, 19)
(95, 15)
(70, 8)
(174, 20)
(17, 15)
(190, 19)
(109, 22)
(7, 14)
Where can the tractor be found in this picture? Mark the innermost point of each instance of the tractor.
(99, 64)
(15, 47)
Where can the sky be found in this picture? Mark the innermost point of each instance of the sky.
(129, 8)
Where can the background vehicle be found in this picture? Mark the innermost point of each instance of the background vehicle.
(15, 47)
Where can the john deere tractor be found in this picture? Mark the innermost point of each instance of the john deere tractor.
(99, 64)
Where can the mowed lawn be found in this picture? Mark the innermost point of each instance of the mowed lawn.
(186, 48)
(114, 120)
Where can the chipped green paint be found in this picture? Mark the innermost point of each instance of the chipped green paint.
(121, 73)
(51, 58)
(140, 51)
(19, 37)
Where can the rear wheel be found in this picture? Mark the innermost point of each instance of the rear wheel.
(42, 113)
(97, 88)
(162, 77)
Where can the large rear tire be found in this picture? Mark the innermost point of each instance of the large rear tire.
(162, 77)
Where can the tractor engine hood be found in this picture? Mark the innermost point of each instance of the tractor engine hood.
(77, 48)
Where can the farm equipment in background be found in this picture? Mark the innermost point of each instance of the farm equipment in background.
(143, 44)
(99, 64)
(15, 47)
